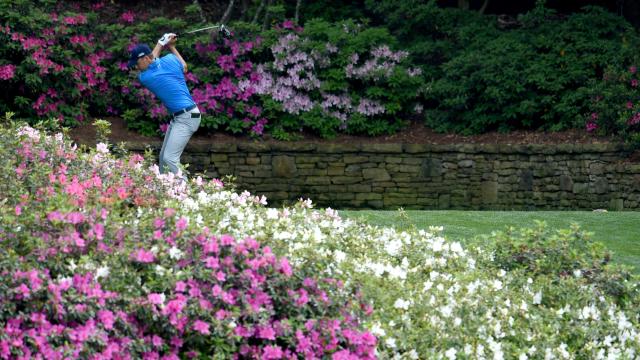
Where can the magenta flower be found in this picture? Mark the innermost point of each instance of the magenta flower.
(106, 318)
(591, 126)
(285, 268)
(629, 105)
(128, 17)
(633, 69)
(634, 82)
(181, 224)
(266, 332)
(635, 119)
(143, 256)
(201, 327)
(7, 72)
(272, 352)
(156, 299)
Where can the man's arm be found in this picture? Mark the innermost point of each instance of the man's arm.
(174, 51)
(156, 51)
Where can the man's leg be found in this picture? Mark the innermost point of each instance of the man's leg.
(161, 162)
(176, 139)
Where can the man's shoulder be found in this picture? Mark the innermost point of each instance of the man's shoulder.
(168, 57)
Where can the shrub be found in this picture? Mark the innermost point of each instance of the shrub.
(334, 77)
(97, 263)
(52, 62)
(138, 234)
(228, 78)
(614, 106)
(557, 254)
(529, 77)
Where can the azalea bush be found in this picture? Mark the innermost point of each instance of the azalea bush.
(69, 61)
(615, 104)
(339, 77)
(98, 262)
(532, 76)
(51, 61)
(104, 255)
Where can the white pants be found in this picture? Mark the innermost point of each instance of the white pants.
(178, 134)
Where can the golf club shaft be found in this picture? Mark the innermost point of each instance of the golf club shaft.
(203, 29)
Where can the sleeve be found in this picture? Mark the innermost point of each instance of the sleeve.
(173, 63)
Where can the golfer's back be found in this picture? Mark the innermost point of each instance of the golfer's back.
(165, 78)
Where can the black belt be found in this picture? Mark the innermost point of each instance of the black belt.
(185, 110)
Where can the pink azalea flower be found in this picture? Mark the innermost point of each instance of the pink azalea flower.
(7, 72)
(128, 17)
(272, 352)
(266, 332)
(156, 299)
(181, 224)
(201, 327)
(143, 256)
(285, 268)
(106, 319)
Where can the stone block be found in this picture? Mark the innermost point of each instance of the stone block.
(283, 166)
(355, 159)
(335, 170)
(566, 183)
(376, 174)
(431, 167)
(253, 160)
(368, 196)
(526, 180)
(382, 148)
(600, 186)
(343, 180)
(616, 204)
(489, 192)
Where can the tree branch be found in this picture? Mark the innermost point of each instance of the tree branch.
(484, 7)
(200, 11)
(298, 6)
(463, 4)
(243, 10)
(267, 16)
(227, 13)
(257, 14)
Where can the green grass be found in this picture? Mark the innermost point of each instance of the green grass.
(618, 231)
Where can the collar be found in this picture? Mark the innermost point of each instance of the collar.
(154, 64)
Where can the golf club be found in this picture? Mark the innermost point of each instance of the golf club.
(222, 29)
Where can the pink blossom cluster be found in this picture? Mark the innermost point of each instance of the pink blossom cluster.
(233, 95)
(128, 17)
(226, 290)
(293, 78)
(77, 77)
(370, 107)
(7, 71)
(380, 65)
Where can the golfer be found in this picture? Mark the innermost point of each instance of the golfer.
(164, 77)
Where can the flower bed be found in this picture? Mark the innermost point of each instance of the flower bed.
(107, 257)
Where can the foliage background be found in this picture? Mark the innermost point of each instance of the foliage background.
(534, 68)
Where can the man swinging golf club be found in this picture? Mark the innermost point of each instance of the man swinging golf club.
(164, 77)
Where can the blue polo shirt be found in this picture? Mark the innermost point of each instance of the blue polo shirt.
(165, 79)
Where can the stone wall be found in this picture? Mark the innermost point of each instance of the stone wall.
(415, 176)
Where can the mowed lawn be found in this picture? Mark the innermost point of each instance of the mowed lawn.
(618, 231)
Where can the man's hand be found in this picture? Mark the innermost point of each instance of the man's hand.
(168, 38)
